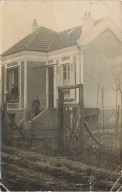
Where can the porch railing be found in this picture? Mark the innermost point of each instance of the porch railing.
(12, 105)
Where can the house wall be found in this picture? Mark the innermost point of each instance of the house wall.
(36, 83)
(102, 59)
(62, 57)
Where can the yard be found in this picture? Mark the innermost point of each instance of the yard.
(32, 169)
(39, 166)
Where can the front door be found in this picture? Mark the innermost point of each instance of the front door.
(50, 87)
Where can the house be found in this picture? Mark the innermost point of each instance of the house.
(45, 59)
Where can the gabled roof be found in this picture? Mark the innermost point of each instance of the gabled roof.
(101, 26)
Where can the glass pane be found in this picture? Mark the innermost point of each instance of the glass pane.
(68, 72)
(12, 77)
(64, 75)
(64, 68)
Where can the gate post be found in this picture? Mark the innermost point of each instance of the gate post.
(81, 120)
(60, 136)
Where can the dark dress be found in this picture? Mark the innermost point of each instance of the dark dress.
(36, 107)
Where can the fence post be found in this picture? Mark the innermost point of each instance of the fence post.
(60, 136)
(121, 134)
(31, 127)
(64, 127)
(4, 122)
(81, 120)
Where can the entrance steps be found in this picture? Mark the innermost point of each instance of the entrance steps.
(45, 124)
(46, 120)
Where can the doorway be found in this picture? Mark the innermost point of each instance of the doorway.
(51, 87)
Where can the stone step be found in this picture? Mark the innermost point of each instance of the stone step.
(47, 120)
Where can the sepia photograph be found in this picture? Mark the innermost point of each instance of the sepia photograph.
(61, 95)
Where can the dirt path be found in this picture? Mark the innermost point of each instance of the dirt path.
(25, 170)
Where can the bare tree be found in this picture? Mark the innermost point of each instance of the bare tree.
(118, 83)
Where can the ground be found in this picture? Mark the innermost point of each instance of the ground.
(26, 169)
(35, 164)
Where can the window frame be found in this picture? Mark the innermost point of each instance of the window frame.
(66, 72)
(10, 80)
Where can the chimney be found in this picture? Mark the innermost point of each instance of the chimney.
(34, 26)
(87, 22)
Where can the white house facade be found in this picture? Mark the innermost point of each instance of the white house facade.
(45, 60)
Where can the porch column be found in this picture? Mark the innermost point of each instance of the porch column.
(55, 87)
(79, 70)
(81, 51)
(3, 83)
(25, 90)
(47, 87)
(19, 82)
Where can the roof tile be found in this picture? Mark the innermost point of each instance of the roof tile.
(44, 40)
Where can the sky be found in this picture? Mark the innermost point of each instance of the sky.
(17, 16)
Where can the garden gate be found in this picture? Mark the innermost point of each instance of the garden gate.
(71, 117)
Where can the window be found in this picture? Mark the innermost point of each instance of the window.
(50, 61)
(66, 93)
(12, 64)
(66, 72)
(66, 78)
(65, 58)
(12, 84)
